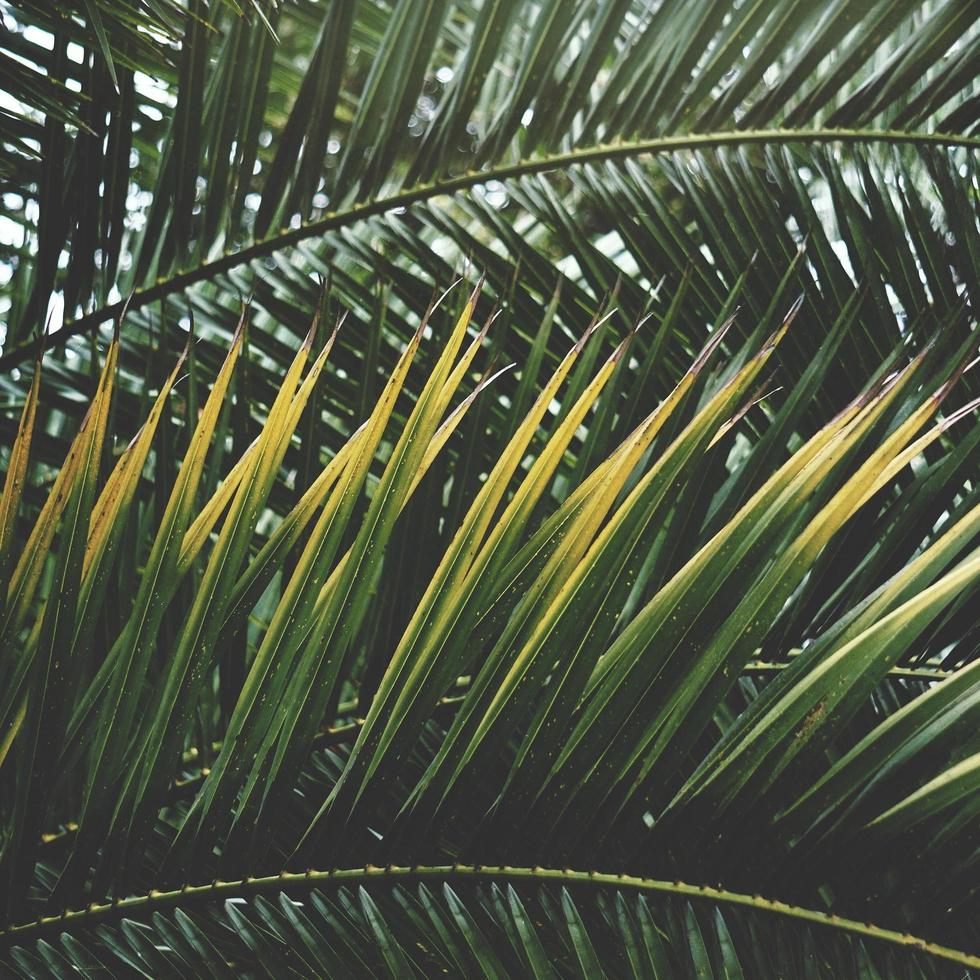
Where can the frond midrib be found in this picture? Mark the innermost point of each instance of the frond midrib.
(291, 883)
(206, 271)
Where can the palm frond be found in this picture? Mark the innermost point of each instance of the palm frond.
(653, 552)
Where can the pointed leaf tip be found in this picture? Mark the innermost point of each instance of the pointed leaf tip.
(962, 412)
(965, 363)
(430, 309)
(476, 292)
(780, 331)
(445, 293)
(485, 329)
(712, 345)
(623, 345)
(188, 344)
(489, 379)
(242, 321)
(117, 323)
(310, 337)
(340, 322)
(642, 322)
(597, 322)
(124, 309)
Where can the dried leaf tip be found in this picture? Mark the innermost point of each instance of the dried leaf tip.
(597, 322)
(960, 413)
(340, 322)
(124, 309)
(446, 292)
(971, 365)
(424, 322)
(758, 396)
(490, 378)
(191, 336)
(490, 320)
(964, 364)
(312, 332)
(646, 318)
(780, 331)
(39, 348)
(477, 290)
(182, 357)
(117, 322)
(242, 322)
(712, 345)
(623, 345)
(885, 385)
(431, 308)
(930, 343)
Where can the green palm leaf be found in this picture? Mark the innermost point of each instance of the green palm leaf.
(653, 556)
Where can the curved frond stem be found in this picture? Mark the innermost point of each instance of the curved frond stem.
(293, 883)
(206, 271)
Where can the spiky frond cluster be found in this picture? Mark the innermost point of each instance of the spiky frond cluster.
(612, 615)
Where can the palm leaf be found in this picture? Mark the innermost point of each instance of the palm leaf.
(690, 595)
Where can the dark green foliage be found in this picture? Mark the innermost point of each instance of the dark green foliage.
(653, 553)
